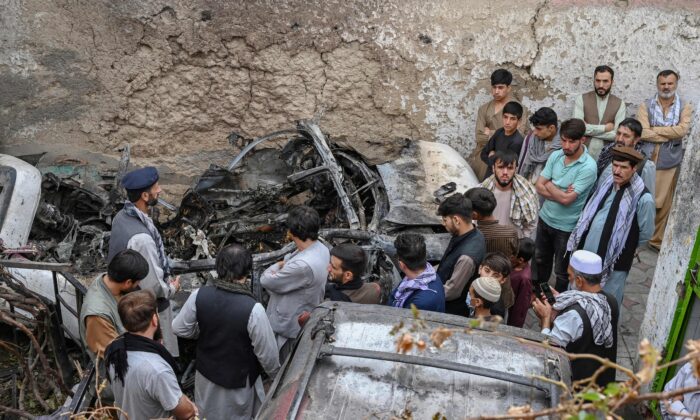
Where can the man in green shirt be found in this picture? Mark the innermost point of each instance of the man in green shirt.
(565, 183)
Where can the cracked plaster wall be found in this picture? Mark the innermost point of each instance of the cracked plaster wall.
(174, 78)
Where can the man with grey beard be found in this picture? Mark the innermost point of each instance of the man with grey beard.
(665, 119)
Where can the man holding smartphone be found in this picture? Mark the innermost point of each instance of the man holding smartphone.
(584, 318)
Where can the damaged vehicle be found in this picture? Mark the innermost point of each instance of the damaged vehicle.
(247, 201)
(55, 216)
(345, 365)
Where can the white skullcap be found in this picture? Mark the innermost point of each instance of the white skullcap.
(488, 288)
(586, 262)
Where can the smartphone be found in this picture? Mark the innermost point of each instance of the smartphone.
(545, 290)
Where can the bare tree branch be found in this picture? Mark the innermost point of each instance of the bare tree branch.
(15, 412)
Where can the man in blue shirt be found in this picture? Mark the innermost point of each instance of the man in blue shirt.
(421, 285)
(565, 183)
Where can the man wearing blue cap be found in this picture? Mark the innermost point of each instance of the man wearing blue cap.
(132, 228)
(585, 318)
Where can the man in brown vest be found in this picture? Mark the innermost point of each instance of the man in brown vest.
(601, 110)
(489, 118)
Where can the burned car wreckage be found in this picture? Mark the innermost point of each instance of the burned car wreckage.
(67, 217)
(247, 202)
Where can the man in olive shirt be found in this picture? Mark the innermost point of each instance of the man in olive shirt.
(489, 118)
(99, 319)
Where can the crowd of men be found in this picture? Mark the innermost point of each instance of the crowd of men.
(580, 197)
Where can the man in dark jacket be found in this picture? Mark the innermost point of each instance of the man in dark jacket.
(421, 286)
(345, 282)
(235, 340)
(505, 138)
(460, 263)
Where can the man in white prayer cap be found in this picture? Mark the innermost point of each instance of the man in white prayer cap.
(584, 318)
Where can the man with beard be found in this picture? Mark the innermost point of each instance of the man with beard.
(517, 203)
(665, 118)
(584, 319)
(133, 228)
(140, 369)
(460, 262)
(601, 110)
(99, 318)
(539, 145)
(297, 283)
(489, 117)
(235, 342)
(565, 183)
(628, 134)
(617, 220)
(345, 272)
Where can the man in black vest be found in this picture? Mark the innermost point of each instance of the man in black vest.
(132, 228)
(629, 133)
(460, 263)
(235, 341)
(618, 219)
(586, 320)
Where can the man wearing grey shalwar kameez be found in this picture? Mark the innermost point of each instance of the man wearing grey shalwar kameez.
(132, 228)
(298, 283)
(235, 341)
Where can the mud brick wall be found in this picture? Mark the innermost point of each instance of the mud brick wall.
(175, 77)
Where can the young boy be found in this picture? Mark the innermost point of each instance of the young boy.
(521, 281)
(497, 266)
(506, 138)
(483, 294)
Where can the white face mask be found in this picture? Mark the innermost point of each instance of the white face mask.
(470, 308)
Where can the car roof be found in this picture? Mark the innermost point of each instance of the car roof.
(346, 365)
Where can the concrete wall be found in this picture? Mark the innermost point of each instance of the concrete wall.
(679, 238)
(174, 77)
